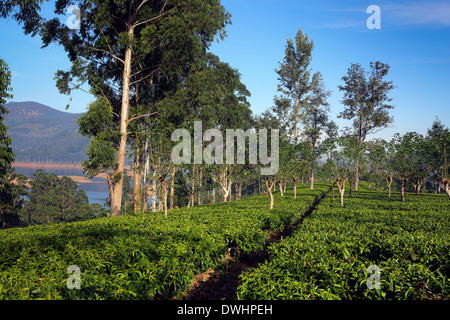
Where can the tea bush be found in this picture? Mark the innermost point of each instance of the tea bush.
(141, 256)
(327, 257)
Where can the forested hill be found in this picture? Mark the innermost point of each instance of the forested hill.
(42, 134)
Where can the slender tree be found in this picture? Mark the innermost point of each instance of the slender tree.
(294, 81)
(315, 120)
(366, 101)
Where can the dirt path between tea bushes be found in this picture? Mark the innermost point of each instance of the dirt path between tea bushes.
(222, 284)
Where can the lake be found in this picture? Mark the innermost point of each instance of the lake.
(96, 189)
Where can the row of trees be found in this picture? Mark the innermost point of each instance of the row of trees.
(410, 159)
(147, 65)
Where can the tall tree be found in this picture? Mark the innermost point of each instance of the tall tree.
(366, 101)
(294, 80)
(121, 44)
(315, 120)
(331, 138)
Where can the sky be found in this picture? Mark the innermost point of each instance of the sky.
(414, 39)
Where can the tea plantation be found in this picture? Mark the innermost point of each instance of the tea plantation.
(138, 256)
(330, 255)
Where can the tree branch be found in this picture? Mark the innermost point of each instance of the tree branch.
(162, 13)
(142, 115)
(106, 51)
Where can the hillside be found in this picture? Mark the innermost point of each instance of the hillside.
(309, 248)
(43, 134)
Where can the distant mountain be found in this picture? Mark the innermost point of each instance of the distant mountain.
(42, 134)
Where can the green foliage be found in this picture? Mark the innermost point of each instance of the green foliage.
(54, 199)
(11, 185)
(97, 123)
(6, 154)
(144, 256)
(294, 81)
(328, 255)
(366, 98)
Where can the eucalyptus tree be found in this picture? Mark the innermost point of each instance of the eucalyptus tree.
(213, 97)
(329, 143)
(121, 44)
(366, 101)
(315, 120)
(388, 169)
(294, 81)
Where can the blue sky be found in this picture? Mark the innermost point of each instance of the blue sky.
(414, 40)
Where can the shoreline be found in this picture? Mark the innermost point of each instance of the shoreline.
(49, 165)
(42, 165)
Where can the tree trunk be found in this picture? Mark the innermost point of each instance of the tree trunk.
(192, 195)
(389, 183)
(225, 183)
(199, 191)
(446, 186)
(147, 193)
(341, 186)
(116, 196)
(403, 187)
(311, 185)
(214, 191)
(240, 190)
(294, 181)
(137, 200)
(172, 187)
(281, 188)
(357, 175)
(164, 192)
(418, 186)
(154, 192)
(269, 188)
